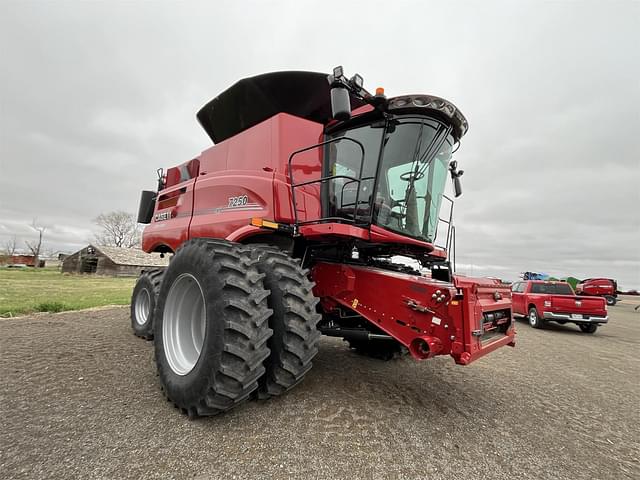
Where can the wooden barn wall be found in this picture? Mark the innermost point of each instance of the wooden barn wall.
(71, 264)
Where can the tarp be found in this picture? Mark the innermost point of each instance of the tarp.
(255, 99)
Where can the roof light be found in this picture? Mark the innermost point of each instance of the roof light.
(380, 91)
(435, 103)
(357, 80)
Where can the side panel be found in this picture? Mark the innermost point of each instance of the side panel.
(290, 134)
(171, 217)
(235, 184)
(226, 202)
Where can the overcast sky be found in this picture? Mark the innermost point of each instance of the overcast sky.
(95, 96)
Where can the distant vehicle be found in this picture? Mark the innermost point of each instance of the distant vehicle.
(543, 301)
(599, 287)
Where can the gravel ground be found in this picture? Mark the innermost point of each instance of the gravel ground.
(79, 398)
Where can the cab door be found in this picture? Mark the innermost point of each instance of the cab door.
(517, 297)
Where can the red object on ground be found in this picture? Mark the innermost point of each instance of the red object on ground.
(599, 287)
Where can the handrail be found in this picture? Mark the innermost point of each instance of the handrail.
(323, 179)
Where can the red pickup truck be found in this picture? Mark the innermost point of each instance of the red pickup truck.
(542, 301)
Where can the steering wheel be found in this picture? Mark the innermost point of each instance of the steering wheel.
(411, 176)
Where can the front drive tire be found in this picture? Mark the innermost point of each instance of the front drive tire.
(611, 301)
(295, 336)
(534, 319)
(143, 302)
(588, 327)
(211, 328)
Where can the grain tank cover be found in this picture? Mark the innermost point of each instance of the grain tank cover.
(255, 99)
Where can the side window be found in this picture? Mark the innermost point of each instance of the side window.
(514, 287)
(523, 287)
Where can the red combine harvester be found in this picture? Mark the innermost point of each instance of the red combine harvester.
(291, 226)
(599, 287)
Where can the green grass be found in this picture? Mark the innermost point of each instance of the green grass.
(46, 290)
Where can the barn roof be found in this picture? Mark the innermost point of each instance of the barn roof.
(132, 256)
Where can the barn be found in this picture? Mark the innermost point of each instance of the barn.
(28, 260)
(113, 261)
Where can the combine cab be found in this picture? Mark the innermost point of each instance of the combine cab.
(291, 226)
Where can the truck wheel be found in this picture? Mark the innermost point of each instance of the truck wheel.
(588, 327)
(295, 337)
(211, 327)
(381, 350)
(611, 301)
(534, 319)
(143, 302)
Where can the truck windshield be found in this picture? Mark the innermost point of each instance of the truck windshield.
(552, 288)
(412, 175)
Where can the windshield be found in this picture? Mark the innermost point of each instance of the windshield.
(552, 288)
(412, 175)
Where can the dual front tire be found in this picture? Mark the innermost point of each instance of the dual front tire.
(232, 322)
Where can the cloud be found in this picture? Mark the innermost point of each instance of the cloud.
(95, 97)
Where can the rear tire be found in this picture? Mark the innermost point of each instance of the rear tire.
(534, 319)
(211, 328)
(611, 301)
(295, 336)
(143, 302)
(588, 327)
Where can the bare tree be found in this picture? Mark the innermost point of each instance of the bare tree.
(36, 248)
(10, 246)
(119, 229)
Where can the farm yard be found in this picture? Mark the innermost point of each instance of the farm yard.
(35, 290)
(81, 399)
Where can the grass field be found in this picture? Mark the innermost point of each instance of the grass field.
(46, 290)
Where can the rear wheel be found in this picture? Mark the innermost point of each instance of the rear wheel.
(211, 329)
(534, 319)
(611, 301)
(588, 327)
(295, 336)
(143, 302)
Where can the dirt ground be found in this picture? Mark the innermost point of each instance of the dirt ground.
(79, 398)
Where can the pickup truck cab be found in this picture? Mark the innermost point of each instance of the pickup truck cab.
(543, 301)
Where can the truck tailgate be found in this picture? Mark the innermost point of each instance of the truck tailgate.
(574, 304)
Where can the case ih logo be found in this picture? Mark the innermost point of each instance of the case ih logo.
(162, 216)
(578, 303)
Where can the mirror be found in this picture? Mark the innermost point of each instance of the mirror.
(340, 103)
(147, 205)
(457, 187)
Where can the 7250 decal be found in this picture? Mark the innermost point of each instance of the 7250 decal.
(238, 201)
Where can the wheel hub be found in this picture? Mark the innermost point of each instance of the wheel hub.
(142, 306)
(184, 324)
